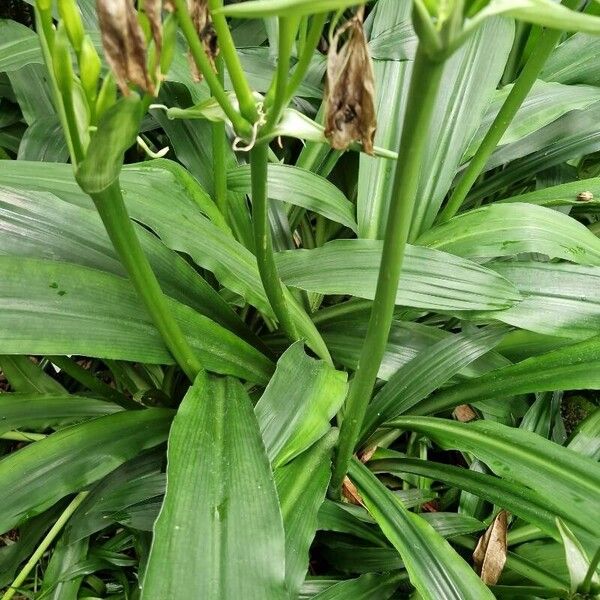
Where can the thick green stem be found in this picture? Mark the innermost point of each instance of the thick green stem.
(119, 227)
(423, 90)
(240, 124)
(513, 102)
(232, 60)
(22, 436)
(262, 239)
(44, 545)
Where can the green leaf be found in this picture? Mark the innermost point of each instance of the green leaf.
(26, 376)
(38, 475)
(43, 410)
(468, 83)
(430, 279)
(405, 341)
(518, 499)
(557, 474)
(432, 564)
(301, 188)
(179, 223)
(57, 583)
(301, 486)
(577, 561)
(586, 440)
(365, 587)
(545, 103)
(560, 299)
(220, 527)
(429, 370)
(574, 61)
(19, 46)
(566, 368)
(49, 307)
(291, 419)
(510, 229)
(40, 225)
(255, 9)
(539, 12)
(561, 195)
(138, 480)
(117, 130)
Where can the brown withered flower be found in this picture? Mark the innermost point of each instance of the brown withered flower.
(350, 89)
(200, 14)
(124, 44)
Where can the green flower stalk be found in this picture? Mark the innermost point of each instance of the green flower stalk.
(422, 94)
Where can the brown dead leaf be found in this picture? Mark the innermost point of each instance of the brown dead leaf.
(200, 14)
(366, 455)
(350, 492)
(350, 90)
(124, 44)
(490, 554)
(464, 413)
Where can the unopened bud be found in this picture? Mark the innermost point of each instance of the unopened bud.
(89, 69)
(61, 61)
(69, 13)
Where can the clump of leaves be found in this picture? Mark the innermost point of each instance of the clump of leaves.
(255, 346)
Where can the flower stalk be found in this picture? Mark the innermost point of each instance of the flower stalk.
(422, 94)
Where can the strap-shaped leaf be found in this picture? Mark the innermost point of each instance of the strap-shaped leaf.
(40, 411)
(35, 477)
(510, 229)
(558, 474)
(298, 404)
(299, 187)
(220, 528)
(301, 486)
(434, 567)
(49, 307)
(569, 367)
(430, 279)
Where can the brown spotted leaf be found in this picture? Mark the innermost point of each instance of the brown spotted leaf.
(200, 14)
(490, 554)
(350, 101)
(124, 44)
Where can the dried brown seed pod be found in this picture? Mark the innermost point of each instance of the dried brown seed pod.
(350, 89)
(124, 44)
(200, 14)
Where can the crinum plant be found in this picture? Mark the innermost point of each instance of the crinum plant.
(295, 296)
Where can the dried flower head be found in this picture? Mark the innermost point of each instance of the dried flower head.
(200, 14)
(153, 10)
(124, 44)
(350, 104)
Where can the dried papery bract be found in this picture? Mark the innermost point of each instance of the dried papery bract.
(350, 103)
(153, 10)
(200, 15)
(124, 44)
(490, 554)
